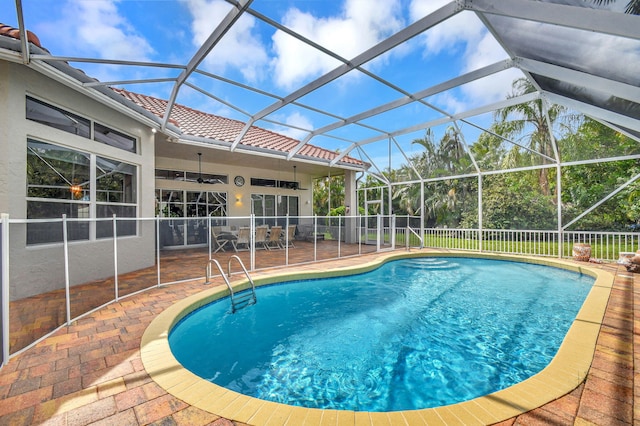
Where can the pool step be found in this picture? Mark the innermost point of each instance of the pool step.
(434, 264)
(242, 300)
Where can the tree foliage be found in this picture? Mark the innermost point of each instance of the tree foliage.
(519, 138)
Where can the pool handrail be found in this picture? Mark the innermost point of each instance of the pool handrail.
(410, 230)
(244, 301)
(246, 273)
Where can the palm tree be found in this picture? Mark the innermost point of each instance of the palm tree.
(443, 199)
(633, 7)
(515, 119)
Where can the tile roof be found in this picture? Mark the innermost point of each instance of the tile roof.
(201, 124)
(9, 31)
(209, 126)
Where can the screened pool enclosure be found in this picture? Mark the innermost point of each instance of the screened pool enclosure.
(509, 127)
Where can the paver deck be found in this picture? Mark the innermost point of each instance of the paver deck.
(91, 372)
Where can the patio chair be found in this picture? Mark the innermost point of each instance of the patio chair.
(274, 238)
(261, 236)
(244, 238)
(218, 241)
(289, 236)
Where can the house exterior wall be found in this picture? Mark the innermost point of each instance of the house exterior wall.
(38, 268)
(243, 193)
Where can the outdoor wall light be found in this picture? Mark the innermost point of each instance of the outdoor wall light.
(76, 191)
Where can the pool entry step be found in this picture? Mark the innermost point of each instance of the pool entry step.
(434, 264)
(238, 300)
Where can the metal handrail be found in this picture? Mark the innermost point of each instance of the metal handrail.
(208, 275)
(416, 234)
(226, 280)
(246, 273)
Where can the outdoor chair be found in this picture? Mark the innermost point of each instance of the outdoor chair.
(289, 236)
(219, 240)
(261, 236)
(244, 238)
(274, 238)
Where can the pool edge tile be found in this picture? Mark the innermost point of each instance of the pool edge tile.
(566, 370)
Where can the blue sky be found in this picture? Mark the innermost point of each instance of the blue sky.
(258, 55)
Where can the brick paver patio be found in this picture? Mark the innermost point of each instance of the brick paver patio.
(91, 372)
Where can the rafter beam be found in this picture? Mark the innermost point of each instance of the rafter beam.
(596, 112)
(444, 120)
(223, 27)
(389, 43)
(438, 88)
(582, 18)
(50, 58)
(578, 78)
(122, 82)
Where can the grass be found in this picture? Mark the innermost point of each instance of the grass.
(604, 250)
(602, 247)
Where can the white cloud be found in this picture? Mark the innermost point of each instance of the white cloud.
(494, 87)
(452, 34)
(360, 25)
(450, 103)
(299, 122)
(101, 29)
(240, 48)
(466, 36)
(95, 29)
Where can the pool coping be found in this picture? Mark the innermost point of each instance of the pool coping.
(563, 374)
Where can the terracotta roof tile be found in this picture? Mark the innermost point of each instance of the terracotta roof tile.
(201, 124)
(205, 125)
(10, 31)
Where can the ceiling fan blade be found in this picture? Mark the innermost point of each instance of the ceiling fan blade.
(296, 184)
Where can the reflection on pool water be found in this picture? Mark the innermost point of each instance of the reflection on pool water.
(414, 333)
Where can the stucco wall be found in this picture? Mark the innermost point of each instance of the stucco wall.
(35, 269)
(242, 207)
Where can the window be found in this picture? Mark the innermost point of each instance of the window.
(205, 178)
(59, 181)
(57, 117)
(272, 183)
(61, 119)
(187, 215)
(115, 194)
(113, 138)
(265, 207)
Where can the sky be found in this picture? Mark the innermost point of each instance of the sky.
(257, 54)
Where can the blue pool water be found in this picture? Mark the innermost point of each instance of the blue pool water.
(414, 333)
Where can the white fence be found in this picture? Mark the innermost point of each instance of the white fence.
(605, 246)
(53, 259)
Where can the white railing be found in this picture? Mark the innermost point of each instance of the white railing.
(605, 246)
(409, 235)
(38, 255)
(56, 255)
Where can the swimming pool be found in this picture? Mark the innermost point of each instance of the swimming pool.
(441, 331)
(564, 373)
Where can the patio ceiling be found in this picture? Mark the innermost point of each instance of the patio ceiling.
(575, 53)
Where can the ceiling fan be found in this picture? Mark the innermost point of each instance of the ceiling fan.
(200, 179)
(296, 184)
